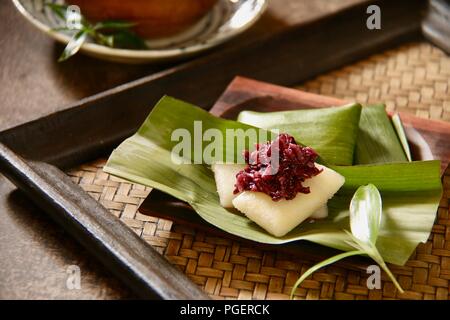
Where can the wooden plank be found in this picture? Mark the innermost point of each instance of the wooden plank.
(137, 264)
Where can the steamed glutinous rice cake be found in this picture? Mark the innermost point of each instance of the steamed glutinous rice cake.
(278, 197)
(320, 213)
(225, 177)
(280, 217)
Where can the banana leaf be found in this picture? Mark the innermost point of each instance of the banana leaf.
(410, 191)
(401, 134)
(172, 119)
(377, 141)
(321, 129)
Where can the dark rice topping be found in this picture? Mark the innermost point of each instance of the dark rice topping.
(278, 180)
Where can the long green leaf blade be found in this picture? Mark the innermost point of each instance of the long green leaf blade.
(417, 176)
(398, 126)
(389, 273)
(377, 140)
(323, 264)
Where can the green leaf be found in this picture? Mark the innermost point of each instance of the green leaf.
(398, 126)
(322, 264)
(129, 40)
(377, 140)
(320, 129)
(74, 45)
(365, 213)
(365, 218)
(377, 257)
(171, 115)
(104, 40)
(114, 25)
(411, 191)
(371, 250)
(112, 33)
(59, 9)
(411, 194)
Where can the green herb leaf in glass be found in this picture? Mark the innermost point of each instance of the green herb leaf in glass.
(129, 40)
(114, 34)
(59, 9)
(113, 24)
(74, 45)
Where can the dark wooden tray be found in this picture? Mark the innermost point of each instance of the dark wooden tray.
(428, 139)
(92, 127)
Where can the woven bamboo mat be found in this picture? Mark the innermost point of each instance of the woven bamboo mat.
(413, 78)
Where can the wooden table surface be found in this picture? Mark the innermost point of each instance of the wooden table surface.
(35, 254)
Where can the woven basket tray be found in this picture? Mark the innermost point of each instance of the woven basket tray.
(413, 78)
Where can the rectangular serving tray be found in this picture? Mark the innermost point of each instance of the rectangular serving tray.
(93, 126)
